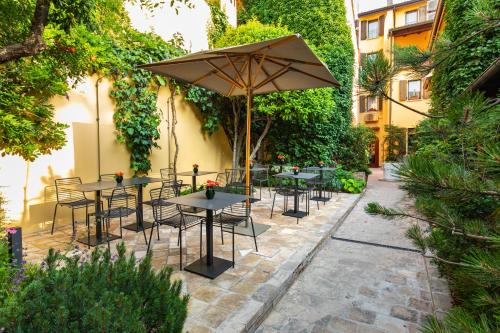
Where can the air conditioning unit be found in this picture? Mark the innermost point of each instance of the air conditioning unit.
(371, 117)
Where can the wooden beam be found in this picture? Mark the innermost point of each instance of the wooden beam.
(177, 62)
(274, 83)
(335, 83)
(274, 76)
(259, 66)
(295, 61)
(236, 70)
(224, 74)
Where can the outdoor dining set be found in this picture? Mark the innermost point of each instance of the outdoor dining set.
(224, 204)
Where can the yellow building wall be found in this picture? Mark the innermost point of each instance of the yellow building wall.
(391, 112)
(28, 186)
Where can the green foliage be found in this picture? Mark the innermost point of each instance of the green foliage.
(353, 185)
(395, 143)
(219, 23)
(376, 74)
(470, 43)
(102, 293)
(83, 37)
(353, 152)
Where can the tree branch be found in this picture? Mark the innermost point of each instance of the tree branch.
(261, 137)
(410, 108)
(33, 43)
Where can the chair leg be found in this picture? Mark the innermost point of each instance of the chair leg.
(180, 247)
(108, 224)
(222, 234)
(151, 236)
(54, 219)
(88, 231)
(121, 232)
(158, 230)
(254, 237)
(233, 243)
(272, 207)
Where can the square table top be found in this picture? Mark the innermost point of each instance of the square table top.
(317, 168)
(301, 175)
(109, 184)
(192, 174)
(253, 169)
(199, 200)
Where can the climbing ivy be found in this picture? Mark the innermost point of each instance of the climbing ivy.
(219, 23)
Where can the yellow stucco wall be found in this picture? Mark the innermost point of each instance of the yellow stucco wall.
(28, 187)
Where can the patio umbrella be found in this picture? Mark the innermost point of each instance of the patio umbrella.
(280, 64)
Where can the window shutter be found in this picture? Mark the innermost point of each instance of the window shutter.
(426, 87)
(403, 88)
(381, 21)
(362, 103)
(364, 28)
(422, 14)
(380, 103)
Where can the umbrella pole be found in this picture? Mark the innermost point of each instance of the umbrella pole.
(247, 146)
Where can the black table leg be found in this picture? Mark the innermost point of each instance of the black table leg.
(320, 196)
(139, 225)
(209, 266)
(194, 184)
(296, 197)
(97, 238)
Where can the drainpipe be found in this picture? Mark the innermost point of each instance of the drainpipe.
(98, 125)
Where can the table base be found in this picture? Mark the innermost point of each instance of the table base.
(94, 241)
(322, 199)
(298, 214)
(136, 228)
(247, 231)
(200, 267)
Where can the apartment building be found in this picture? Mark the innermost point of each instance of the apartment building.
(403, 23)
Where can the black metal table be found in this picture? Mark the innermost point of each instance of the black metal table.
(209, 266)
(295, 212)
(320, 196)
(97, 188)
(193, 182)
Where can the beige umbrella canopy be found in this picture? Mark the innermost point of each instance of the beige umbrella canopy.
(280, 64)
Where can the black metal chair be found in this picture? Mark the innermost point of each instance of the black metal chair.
(165, 213)
(287, 191)
(234, 177)
(168, 174)
(234, 215)
(262, 177)
(70, 198)
(121, 204)
(106, 194)
(221, 179)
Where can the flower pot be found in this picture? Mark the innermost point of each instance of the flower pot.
(119, 179)
(195, 170)
(390, 171)
(210, 193)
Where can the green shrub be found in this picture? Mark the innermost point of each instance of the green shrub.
(353, 185)
(102, 293)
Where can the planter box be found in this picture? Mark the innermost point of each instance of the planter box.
(390, 171)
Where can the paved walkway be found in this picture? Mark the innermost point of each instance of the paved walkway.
(362, 287)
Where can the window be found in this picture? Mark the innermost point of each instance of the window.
(411, 17)
(414, 87)
(372, 29)
(372, 103)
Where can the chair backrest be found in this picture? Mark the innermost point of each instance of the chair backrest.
(67, 195)
(234, 176)
(162, 210)
(221, 179)
(121, 198)
(166, 173)
(240, 208)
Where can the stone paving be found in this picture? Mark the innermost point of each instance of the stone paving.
(239, 299)
(356, 287)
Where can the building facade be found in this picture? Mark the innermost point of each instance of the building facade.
(380, 30)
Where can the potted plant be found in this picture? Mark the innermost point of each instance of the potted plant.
(210, 192)
(296, 170)
(321, 164)
(281, 158)
(119, 177)
(395, 143)
(195, 168)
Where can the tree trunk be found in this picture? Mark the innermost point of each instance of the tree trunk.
(174, 122)
(261, 137)
(33, 43)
